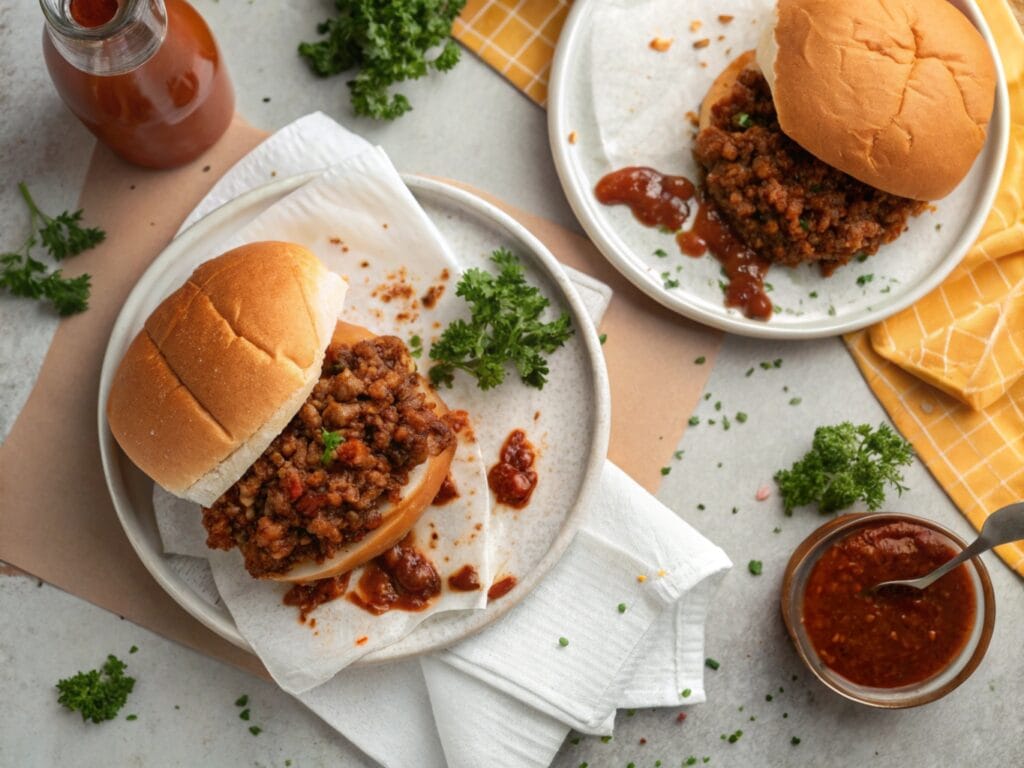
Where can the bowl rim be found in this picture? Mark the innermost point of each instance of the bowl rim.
(850, 522)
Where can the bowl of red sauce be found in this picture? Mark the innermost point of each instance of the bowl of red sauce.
(898, 647)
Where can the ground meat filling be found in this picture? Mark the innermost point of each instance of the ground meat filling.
(781, 201)
(300, 501)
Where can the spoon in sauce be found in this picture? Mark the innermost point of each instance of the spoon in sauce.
(1001, 527)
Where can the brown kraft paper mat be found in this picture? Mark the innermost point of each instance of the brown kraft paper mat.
(57, 521)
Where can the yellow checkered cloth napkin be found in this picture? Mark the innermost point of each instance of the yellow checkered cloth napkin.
(516, 37)
(949, 370)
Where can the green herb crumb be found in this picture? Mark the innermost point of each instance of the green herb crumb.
(622, 608)
(244, 714)
(685, 693)
(255, 730)
(711, 663)
(242, 700)
(700, 360)
(331, 442)
(665, 470)
(563, 641)
(794, 741)
(754, 566)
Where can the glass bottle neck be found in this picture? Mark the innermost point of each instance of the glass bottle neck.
(124, 42)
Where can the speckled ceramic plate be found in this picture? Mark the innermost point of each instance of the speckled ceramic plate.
(568, 420)
(626, 104)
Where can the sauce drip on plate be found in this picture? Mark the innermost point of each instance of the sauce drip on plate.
(662, 200)
(466, 579)
(513, 479)
(402, 578)
(501, 587)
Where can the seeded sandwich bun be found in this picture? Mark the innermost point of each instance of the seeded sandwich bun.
(896, 93)
(222, 365)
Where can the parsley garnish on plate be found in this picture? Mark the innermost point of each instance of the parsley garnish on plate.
(388, 41)
(63, 236)
(846, 463)
(504, 326)
(98, 694)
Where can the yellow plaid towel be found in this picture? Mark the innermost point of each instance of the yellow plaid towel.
(949, 370)
(516, 37)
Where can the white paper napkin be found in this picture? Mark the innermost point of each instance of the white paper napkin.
(509, 695)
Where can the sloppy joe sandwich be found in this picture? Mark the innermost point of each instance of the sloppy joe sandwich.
(847, 119)
(312, 444)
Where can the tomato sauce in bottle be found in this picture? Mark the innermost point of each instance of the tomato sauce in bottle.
(145, 76)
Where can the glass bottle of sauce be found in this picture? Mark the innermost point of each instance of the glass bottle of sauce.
(145, 76)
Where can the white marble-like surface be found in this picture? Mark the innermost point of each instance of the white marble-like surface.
(472, 126)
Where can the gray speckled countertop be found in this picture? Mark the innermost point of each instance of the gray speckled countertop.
(472, 126)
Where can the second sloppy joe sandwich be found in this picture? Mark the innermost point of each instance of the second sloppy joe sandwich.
(846, 121)
(312, 444)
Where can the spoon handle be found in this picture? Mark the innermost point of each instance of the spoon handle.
(977, 547)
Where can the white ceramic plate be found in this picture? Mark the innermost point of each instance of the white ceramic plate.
(606, 86)
(571, 432)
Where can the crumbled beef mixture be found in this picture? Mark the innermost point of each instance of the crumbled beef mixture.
(298, 502)
(781, 201)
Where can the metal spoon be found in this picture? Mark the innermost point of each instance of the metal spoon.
(1001, 527)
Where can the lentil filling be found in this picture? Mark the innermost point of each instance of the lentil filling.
(303, 500)
(781, 201)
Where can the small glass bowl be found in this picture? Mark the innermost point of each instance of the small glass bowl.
(959, 669)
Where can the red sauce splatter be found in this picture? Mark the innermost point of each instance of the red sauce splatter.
(446, 493)
(466, 579)
(656, 199)
(362, 640)
(93, 13)
(430, 298)
(403, 578)
(745, 270)
(661, 200)
(512, 479)
(501, 587)
(894, 637)
(308, 597)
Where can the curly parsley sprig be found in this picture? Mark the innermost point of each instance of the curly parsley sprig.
(504, 326)
(846, 463)
(62, 236)
(98, 694)
(389, 42)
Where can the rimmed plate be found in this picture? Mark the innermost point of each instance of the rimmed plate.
(606, 82)
(568, 419)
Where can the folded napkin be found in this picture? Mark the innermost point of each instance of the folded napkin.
(950, 369)
(510, 694)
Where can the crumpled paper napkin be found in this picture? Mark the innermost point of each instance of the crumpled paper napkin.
(630, 597)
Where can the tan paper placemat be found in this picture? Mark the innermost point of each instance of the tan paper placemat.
(56, 518)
